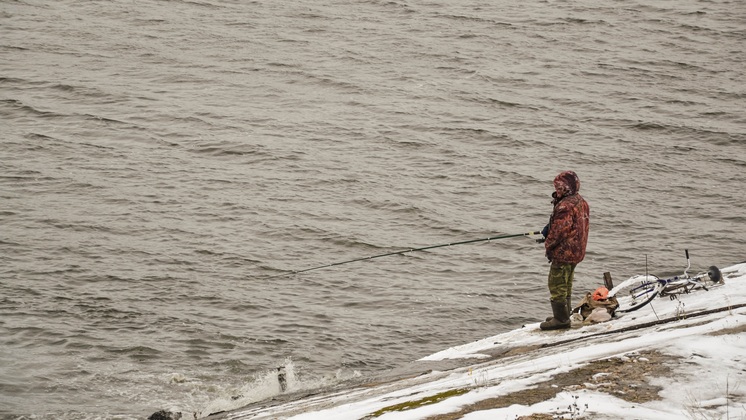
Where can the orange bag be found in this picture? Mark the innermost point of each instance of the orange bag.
(601, 293)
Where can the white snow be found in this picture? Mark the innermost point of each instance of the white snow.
(709, 381)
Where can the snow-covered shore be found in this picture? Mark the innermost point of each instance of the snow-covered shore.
(691, 365)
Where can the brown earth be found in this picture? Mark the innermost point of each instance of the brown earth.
(623, 377)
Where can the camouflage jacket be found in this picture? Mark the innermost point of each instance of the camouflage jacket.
(568, 226)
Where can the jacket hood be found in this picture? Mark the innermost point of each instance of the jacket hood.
(566, 183)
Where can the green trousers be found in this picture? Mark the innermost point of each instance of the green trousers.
(560, 281)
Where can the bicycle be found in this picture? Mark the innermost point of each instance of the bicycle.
(636, 292)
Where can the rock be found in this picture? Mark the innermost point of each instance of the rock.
(164, 415)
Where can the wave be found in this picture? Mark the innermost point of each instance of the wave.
(20, 106)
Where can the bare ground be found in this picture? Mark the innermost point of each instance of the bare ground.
(623, 377)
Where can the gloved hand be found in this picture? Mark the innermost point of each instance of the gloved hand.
(544, 233)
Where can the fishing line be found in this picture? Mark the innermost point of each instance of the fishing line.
(471, 241)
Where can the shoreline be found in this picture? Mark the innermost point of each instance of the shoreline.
(675, 359)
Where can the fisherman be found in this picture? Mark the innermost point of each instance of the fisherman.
(565, 238)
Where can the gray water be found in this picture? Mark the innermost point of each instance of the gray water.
(162, 163)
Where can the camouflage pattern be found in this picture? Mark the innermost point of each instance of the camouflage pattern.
(568, 226)
(560, 281)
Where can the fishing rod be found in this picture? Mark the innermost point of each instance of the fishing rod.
(424, 248)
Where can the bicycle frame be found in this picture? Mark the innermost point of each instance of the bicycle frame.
(638, 291)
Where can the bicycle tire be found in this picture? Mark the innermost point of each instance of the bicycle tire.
(636, 292)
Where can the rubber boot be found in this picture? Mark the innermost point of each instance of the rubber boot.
(569, 309)
(561, 318)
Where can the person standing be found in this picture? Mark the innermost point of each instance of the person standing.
(566, 237)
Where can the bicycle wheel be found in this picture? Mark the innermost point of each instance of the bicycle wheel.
(636, 292)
